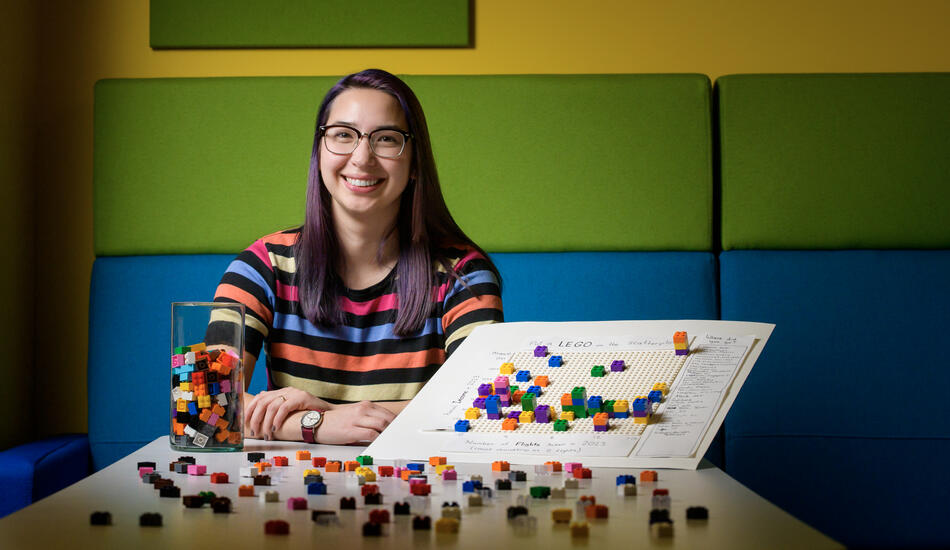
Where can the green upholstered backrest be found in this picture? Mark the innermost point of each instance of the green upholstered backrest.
(309, 23)
(527, 163)
(835, 161)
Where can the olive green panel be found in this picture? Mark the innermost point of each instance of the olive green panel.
(835, 161)
(527, 163)
(308, 23)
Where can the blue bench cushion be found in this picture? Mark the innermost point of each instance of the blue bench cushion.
(38, 469)
(848, 400)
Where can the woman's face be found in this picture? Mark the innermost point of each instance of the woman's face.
(362, 185)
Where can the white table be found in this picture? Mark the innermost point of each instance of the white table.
(738, 518)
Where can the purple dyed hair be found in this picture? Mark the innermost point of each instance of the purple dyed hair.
(423, 223)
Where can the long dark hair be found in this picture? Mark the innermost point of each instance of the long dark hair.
(423, 224)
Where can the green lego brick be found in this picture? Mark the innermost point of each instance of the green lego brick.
(529, 401)
(560, 425)
(598, 371)
(579, 392)
(181, 350)
(540, 491)
(365, 460)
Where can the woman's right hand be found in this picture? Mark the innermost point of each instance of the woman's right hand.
(354, 423)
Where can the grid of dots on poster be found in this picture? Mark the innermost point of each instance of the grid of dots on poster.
(619, 391)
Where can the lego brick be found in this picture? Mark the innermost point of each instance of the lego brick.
(580, 529)
(472, 413)
(347, 503)
(523, 376)
(334, 466)
(437, 460)
(555, 361)
(276, 527)
(319, 461)
(421, 523)
(561, 515)
(373, 499)
(384, 471)
(364, 460)
(528, 402)
(541, 351)
(535, 389)
(219, 477)
(540, 491)
(502, 484)
(515, 511)
(100, 518)
(150, 520)
(500, 466)
(296, 503)
(526, 417)
(517, 475)
(697, 513)
(508, 424)
(449, 475)
(193, 501)
(553, 466)
(379, 516)
(281, 461)
(648, 476)
(507, 368)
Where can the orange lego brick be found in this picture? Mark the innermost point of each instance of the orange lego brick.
(218, 410)
(222, 435)
(647, 476)
(351, 466)
(179, 428)
(246, 491)
(221, 423)
(500, 466)
(234, 438)
(437, 460)
(334, 466)
(600, 419)
(516, 397)
(541, 381)
(205, 415)
(553, 466)
(303, 455)
(509, 424)
(597, 511)
(566, 400)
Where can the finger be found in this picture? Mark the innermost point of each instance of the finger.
(282, 413)
(267, 423)
(256, 423)
(249, 408)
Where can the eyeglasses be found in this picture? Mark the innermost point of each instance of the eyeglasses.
(343, 140)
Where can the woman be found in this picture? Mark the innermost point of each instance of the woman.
(359, 306)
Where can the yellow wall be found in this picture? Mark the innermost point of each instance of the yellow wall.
(82, 42)
(16, 226)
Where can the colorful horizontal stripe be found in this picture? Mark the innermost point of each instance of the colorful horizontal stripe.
(361, 359)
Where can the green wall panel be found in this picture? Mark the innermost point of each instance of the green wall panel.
(835, 161)
(309, 23)
(546, 163)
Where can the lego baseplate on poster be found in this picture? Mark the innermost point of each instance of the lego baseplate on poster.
(613, 393)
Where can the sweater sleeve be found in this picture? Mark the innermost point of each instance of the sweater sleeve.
(249, 280)
(474, 299)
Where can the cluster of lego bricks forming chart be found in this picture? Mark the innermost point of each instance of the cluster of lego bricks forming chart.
(625, 393)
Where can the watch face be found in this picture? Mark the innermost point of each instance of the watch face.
(311, 419)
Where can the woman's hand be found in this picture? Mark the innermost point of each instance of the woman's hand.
(353, 423)
(267, 411)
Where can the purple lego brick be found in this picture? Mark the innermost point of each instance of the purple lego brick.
(494, 416)
(542, 414)
(682, 352)
(479, 403)
(639, 414)
(504, 400)
(600, 428)
(484, 390)
(616, 366)
(541, 351)
(513, 414)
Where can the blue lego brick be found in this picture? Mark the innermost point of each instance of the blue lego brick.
(418, 466)
(461, 426)
(655, 396)
(555, 361)
(623, 479)
(192, 408)
(318, 488)
(536, 390)
(595, 402)
(523, 376)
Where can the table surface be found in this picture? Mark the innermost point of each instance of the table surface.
(738, 518)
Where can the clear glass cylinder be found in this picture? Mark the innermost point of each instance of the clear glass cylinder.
(207, 382)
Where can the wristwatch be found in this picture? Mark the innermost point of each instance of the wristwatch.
(309, 424)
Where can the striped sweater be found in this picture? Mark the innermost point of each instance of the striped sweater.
(362, 359)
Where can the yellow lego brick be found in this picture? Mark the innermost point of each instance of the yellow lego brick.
(198, 347)
(580, 529)
(311, 471)
(661, 386)
(472, 413)
(368, 474)
(681, 345)
(567, 415)
(185, 386)
(447, 525)
(561, 515)
(641, 419)
(204, 401)
(443, 467)
(526, 417)
(621, 405)
(507, 368)
(181, 405)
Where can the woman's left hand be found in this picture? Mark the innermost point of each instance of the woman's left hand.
(266, 412)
